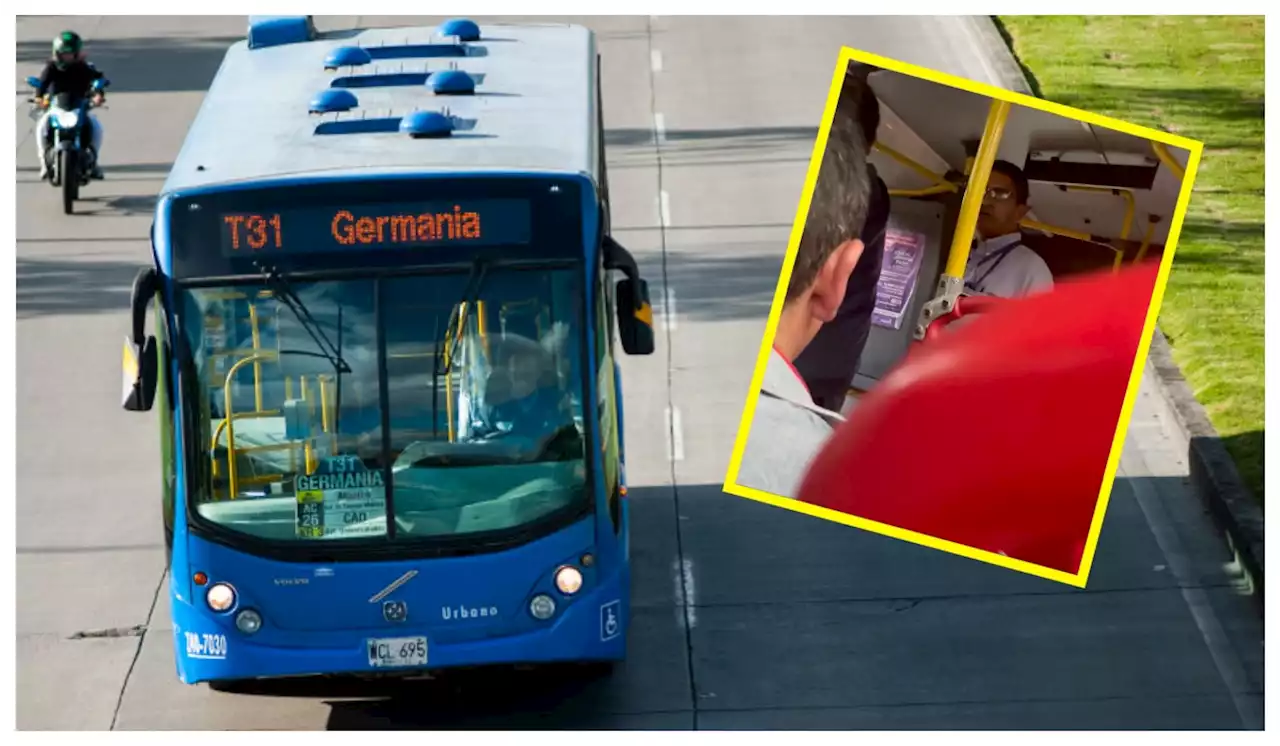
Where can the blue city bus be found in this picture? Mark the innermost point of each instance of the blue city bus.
(383, 357)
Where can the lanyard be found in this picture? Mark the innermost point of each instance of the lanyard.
(999, 256)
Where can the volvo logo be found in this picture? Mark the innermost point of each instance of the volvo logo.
(395, 611)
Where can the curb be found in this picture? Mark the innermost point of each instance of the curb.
(1213, 473)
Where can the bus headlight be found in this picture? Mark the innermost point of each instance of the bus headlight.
(542, 607)
(220, 597)
(568, 580)
(248, 621)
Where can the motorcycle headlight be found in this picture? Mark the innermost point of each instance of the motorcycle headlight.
(68, 119)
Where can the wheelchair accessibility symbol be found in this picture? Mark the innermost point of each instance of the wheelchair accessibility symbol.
(610, 620)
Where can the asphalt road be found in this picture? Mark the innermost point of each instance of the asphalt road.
(746, 616)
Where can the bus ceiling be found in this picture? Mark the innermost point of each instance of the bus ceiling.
(1082, 177)
(1076, 161)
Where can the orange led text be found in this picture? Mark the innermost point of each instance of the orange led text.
(348, 230)
(256, 231)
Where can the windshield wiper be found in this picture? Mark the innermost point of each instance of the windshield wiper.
(285, 294)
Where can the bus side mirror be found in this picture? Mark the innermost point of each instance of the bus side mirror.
(635, 317)
(139, 375)
(140, 370)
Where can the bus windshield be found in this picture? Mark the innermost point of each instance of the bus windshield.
(455, 400)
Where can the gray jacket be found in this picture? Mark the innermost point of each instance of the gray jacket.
(787, 431)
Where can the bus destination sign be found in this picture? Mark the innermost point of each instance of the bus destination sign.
(310, 230)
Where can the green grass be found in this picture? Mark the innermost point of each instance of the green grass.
(1202, 78)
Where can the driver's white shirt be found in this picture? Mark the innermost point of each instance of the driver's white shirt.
(1021, 272)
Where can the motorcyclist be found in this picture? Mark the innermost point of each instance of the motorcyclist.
(69, 72)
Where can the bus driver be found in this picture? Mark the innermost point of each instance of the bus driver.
(1000, 264)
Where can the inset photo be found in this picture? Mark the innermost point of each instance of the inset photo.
(962, 318)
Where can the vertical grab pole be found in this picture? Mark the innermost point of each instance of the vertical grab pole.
(1129, 206)
(293, 451)
(951, 283)
(976, 189)
(1146, 239)
(452, 335)
(324, 403)
(307, 455)
(257, 365)
(233, 488)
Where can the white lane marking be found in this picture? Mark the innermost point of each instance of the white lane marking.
(660, 127)
(685, 592)
(675, 434)
(655, 60)
(690, 594)
(1215, 637)
(670, 319)
(664, 208)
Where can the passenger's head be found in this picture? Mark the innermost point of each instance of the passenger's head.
(829, 247)
(1005, 203)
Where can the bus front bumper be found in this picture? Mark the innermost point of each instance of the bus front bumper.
(591, 629)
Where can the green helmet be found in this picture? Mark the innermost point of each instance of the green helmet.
(66, 48)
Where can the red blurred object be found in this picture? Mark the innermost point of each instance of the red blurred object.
(996, 435)
(966, 305)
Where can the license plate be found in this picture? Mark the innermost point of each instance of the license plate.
(394, 652)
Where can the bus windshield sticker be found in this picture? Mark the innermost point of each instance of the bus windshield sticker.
(307, 230)
(342, 499)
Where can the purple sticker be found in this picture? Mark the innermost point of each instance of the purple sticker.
(903, 253)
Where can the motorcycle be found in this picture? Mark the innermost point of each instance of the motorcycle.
(68, 157)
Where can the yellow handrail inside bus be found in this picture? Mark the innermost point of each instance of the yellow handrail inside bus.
(328, 417)
(217, 433)
(940, 183)
(232, 294)
(1146, 240)
(1036, 225)
(293, 453)
(976, 189)
(453, 335)
(257, 365)
(927, 173)
(307, 454)
(1162, 152)
(947, 188)
(1129, 203)
(230, 419)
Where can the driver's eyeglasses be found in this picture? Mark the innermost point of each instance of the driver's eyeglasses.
(999, 194)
